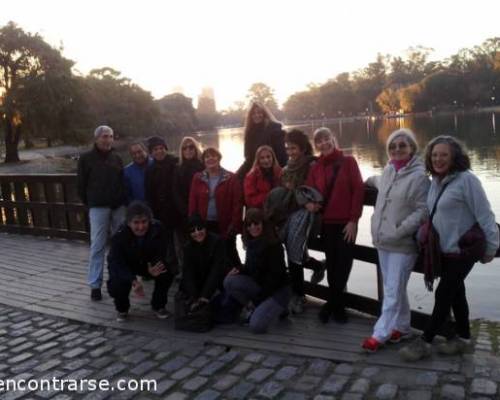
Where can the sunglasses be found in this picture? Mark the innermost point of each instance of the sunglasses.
(250, 223)
(194, 229)
(188, 147)
(400, 146)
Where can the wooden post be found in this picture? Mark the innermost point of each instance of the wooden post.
(20, 194)
(6, 188)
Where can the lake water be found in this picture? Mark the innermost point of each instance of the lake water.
(365, 140)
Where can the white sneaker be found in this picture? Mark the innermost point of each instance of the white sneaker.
(121, 316)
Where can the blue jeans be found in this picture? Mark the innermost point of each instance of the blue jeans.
(244, 289)
(102, 219)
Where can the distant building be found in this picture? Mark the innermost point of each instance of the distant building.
(206, 111)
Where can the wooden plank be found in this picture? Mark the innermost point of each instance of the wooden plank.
(36, 195)
(60, 233)
(283, 348)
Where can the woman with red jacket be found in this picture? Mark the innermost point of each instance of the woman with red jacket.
(264, 176)
(216, 196)
(337, 177)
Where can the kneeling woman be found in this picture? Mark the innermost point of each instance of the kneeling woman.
(262, 282)
(204, 264)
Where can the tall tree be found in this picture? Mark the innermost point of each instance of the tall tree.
(114, 100)
(264, 94)
(25, 58)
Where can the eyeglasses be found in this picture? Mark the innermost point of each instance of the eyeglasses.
(188, 147)
(400, 146)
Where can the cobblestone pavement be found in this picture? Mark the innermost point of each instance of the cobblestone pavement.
(34, 346)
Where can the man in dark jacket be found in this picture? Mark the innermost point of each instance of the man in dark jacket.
(138, 249)
(101, 188)
(158, 181)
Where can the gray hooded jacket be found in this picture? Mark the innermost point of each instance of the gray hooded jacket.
(401, 206)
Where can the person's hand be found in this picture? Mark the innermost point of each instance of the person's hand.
(486, 259)
(138, 288)
(312, 207)
(350, 232)
(234, 271)
(157, 269)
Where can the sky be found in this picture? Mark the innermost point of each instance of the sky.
(230, 44)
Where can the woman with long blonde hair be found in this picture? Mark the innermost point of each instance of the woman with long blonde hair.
(189, 164)
(261, 128)
(264, 176)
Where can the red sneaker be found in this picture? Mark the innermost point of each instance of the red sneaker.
(371, 344)
(397, 336)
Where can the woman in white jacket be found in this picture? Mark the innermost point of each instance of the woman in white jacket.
(399, 211)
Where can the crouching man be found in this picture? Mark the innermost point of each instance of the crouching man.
(138, 250)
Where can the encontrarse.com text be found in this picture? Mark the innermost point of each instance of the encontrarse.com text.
(77, 385)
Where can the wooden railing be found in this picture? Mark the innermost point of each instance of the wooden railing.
(39, 204)
(48, 205)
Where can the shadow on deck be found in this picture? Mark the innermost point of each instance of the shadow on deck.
(49, 276)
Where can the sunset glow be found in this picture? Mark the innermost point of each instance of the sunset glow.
(229, 45)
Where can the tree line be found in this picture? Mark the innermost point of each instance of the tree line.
(42, 96)
(470, 78)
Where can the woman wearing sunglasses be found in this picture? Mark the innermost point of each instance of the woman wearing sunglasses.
(204, 264)
(189, 164)
(399, 211)
(261, 283)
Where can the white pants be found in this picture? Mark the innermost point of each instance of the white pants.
(396, 269)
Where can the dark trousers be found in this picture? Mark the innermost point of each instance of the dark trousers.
(296, 272)
(119, 290)
(339, 256)
(450, 295)
(230, 242)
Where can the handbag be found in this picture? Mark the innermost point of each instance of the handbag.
(429, 260)
(199, 320)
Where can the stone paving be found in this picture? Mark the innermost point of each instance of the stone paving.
(35, 346)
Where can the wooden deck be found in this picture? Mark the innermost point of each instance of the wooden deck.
(49, 276)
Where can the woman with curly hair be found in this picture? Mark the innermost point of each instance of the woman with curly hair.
(458, 204)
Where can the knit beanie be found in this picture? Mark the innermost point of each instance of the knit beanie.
(156, 141)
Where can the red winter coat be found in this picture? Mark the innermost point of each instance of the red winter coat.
(345, 203)
(228, 200)
(256, 187)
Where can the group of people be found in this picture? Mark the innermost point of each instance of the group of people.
(184, 214)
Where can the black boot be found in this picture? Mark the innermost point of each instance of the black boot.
(325, 312)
